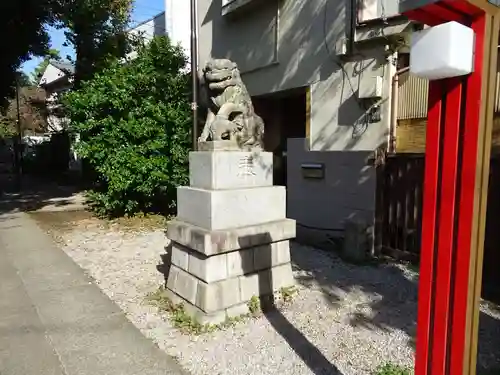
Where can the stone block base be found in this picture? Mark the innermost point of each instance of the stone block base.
(230, 170)
(230, 240)
(203, 317)
(210, 243)
(231, 208)
(220, 286)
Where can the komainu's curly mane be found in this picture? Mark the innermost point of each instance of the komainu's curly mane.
(230, 110)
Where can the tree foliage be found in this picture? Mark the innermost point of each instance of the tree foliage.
(6, 129)
(32, 112)
(23, 79)
(96, 29)
(133, 119)
(52, 54)
(22, 25)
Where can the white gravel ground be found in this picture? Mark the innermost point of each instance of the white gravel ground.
(345, 320)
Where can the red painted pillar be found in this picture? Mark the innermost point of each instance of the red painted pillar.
(465, 305)
(455, 188)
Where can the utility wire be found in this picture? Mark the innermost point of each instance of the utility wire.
(358, 129)
(135, 23)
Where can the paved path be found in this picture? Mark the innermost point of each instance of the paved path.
(55, 321)
(38, 195)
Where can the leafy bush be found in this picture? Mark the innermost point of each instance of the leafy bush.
(133, 121)
(6, 130)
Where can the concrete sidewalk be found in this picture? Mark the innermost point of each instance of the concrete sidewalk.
(54, 320)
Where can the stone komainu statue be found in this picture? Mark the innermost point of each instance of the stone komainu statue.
(230, 114)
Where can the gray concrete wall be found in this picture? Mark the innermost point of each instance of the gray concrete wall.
(338, 118)
(285, 44)
(271, 42)
(322, 206)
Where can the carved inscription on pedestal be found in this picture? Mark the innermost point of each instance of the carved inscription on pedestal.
(246, 166)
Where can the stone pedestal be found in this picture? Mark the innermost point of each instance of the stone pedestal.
(230, 240)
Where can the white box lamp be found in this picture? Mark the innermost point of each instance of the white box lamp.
(442, 51)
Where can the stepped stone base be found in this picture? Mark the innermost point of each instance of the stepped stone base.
(216, 283)
(230, 240)
(222, 241)
(230, 208)
(213, 303)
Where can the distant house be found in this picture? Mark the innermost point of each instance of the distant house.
(56, 79)
(58, 75)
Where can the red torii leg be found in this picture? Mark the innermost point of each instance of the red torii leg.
(457, 157)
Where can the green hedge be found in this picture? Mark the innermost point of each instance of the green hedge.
(134, 125)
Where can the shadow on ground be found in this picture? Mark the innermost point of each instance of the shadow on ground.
(33, 194)
(393, 292)
(312, 357)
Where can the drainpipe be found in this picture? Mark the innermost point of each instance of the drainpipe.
(394, 109)
(194, 70)
(352, 27)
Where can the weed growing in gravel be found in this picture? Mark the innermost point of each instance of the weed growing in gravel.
(254, 306)
(178, 316)
(413, 267)
(187, 324)
(288, 293)
(392, 369)
(181, 320)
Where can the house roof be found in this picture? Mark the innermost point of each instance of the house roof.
(56, 71)
(66, 66)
